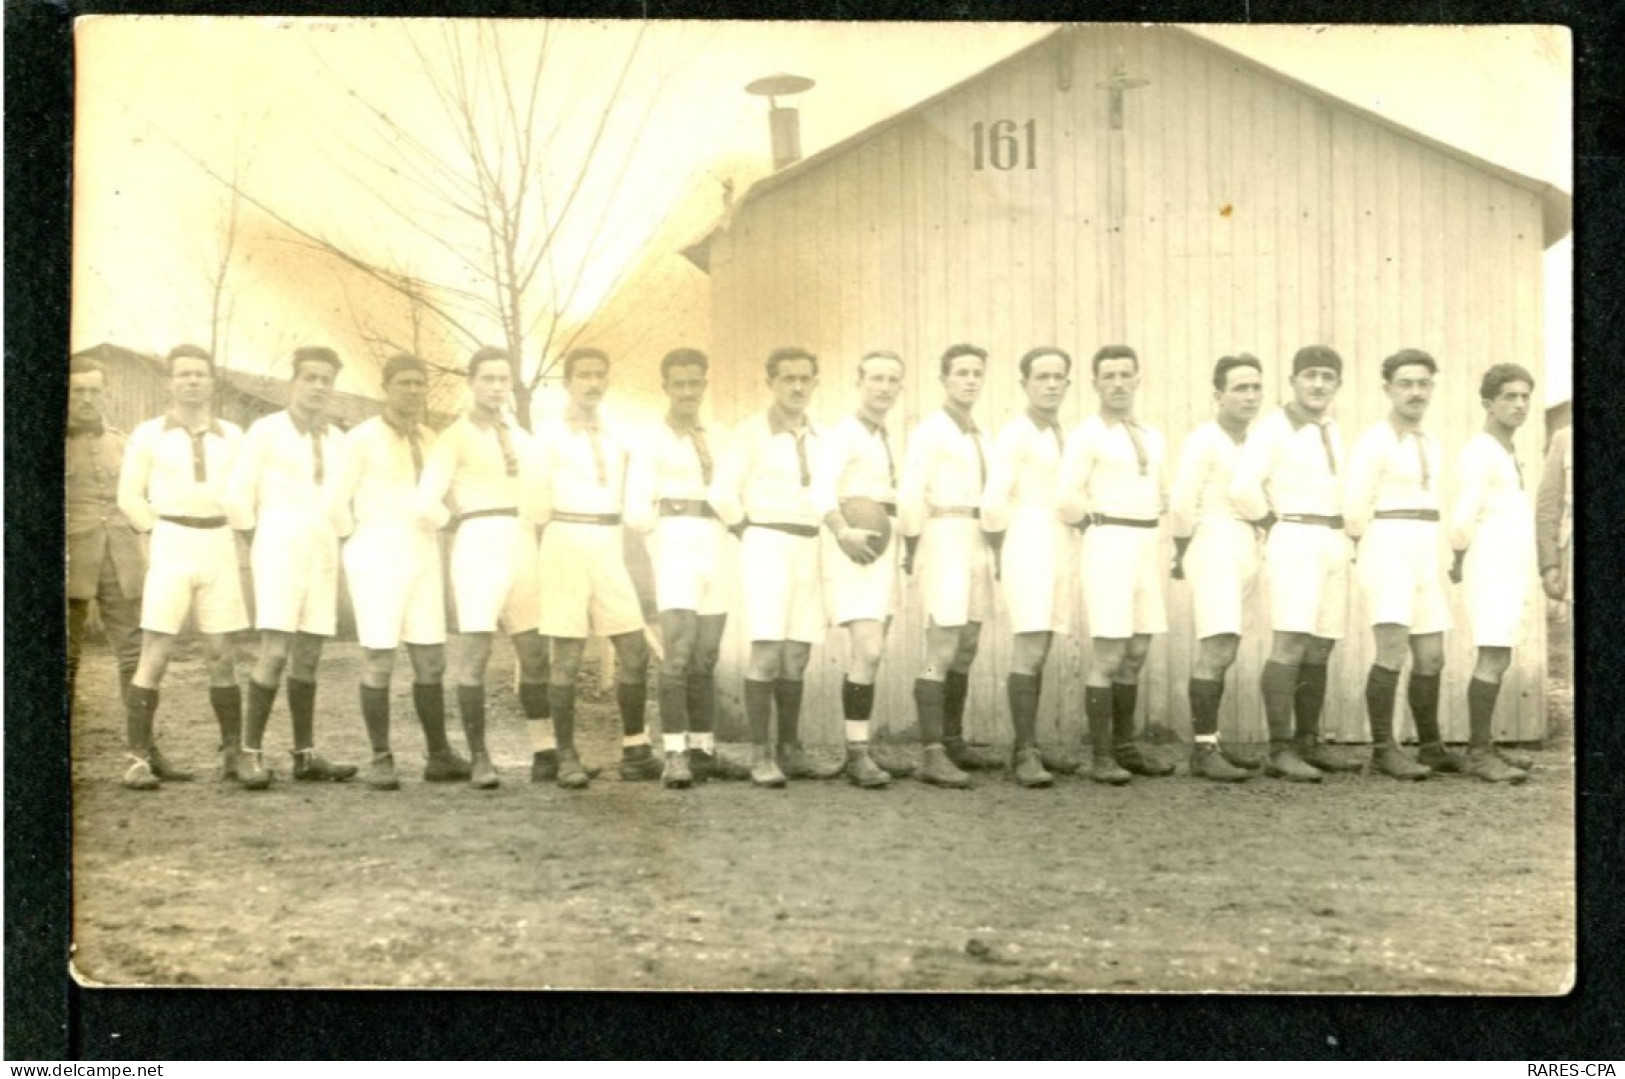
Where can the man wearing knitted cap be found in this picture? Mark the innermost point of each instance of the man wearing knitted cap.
(284, 490)
(473, 480)
(1392, 510)
(392, 564)
(1289, 475)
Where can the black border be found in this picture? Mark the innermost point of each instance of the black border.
(48, 1017)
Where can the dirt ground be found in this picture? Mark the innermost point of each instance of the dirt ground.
(1361, 884)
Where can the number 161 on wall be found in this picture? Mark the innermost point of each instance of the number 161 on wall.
(1004, 144)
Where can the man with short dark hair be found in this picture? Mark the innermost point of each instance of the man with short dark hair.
(939, 516)
(392, 565)
(669, 500)
(284, 490)
(1492, 533)
(173, 485)
(580, 501)
(1113, 485)
(475, 478)
(764, 490)
(1392, 514)
(1288, 480)
(105, 562)
(1217, 549)
(1033, 556)
(858, 461)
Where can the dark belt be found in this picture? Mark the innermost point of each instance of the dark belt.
(1405, 515)
(196, 522)
(1312, 519)
(972, 512)
(587, 518)
(804, 531)
(889, 507)
(686, 507)
(506, 512)
(1126, 522)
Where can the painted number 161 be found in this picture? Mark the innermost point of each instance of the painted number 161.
(1004, 144)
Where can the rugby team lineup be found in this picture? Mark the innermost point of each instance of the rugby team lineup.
(830, 521)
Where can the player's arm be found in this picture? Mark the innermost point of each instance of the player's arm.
(1072, 482)
(733, 465)
(241, 496)
(1182, 499)
(642, 481)
(133, 477)
(1472, 486)
(835, 452)
(435, 482)
(539, 462)
(347, 474)
(1360, 485)
(1247, 487)
(911, 504)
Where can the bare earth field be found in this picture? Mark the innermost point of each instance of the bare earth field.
(1359, 885)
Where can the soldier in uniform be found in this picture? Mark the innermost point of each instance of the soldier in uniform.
(105, 562)
(173, 485)
(1113, 485)
(668, 498)
(284, 490)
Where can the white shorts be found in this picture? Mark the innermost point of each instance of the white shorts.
(1121, 570)
(854, 593)
(784, 599)
(193, 569)
(586, 590)
(396, 586)
(296, 575)
(955, 569)
(1221, 565)
(1401, 576)
(493, 575)
(688, 554)
(1036, 571)
(1496, 581)
(1308, 571)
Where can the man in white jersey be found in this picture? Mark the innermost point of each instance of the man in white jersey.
(764, 490)
(173, 485)
(1033, 547)
(1288, 476)
(581, 494)
(939, 516)
(856, 459)
(1113, 485)
(284, 490)
(1392, 512)
(1492, 533)
(669, 499)
(474, 478)
(1217, 550)
(392, 566)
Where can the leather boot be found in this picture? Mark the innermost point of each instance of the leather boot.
(862, 771)
(1284, 763)
(1208, 762)
(1390, 760)
(764, 770)
(1104, 767)
(1487, 765)
(1028, 765)
(939, 771)
(676, 775)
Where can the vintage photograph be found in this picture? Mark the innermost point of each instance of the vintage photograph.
(821, 506)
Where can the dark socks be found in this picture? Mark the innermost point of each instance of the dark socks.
(429, 700)
(857, 701)
(1205, 694)
(631, 697)
(955, 691)
(302, 707)
(928, 700)
(1481, 698)
(257, 714)
(375, 714)
(561, 701)
(1423, 696)
(702, 702)
(1381, 686)
(1022, 690)
(471, 704)
(227, 703)
(1309, 699)
(1279, 684)
(673, 704)
(759, 710)
(1124, 698)
(140, 704)
(1097, 705)
(533, 700)
(787, 700)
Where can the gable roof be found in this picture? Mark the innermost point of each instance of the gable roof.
(1556, 205)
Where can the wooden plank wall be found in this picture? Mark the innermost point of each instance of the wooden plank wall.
(1257, 218)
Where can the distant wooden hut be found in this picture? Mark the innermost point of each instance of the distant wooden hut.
(1137, 184)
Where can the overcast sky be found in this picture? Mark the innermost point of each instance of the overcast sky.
(281, 96)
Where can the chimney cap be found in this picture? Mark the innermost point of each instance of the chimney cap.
(776, 85)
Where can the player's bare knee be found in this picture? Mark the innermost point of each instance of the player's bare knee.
(631, 658)
(1427, 653)
(970, 642)
(220, 658)
(428, 663)
(1492, 664)
(794, 662)
(566, 660)
(1289, 648)
(377, 664)
(766, 659)
(1318, 651)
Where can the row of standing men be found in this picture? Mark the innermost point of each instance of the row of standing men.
(814, 510)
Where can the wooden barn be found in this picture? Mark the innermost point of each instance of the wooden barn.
(1140, 185)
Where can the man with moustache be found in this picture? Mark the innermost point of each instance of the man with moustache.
(669, 499)
(173, 486)
(1392, 514)
(1033, 547)
(939, 516)
(1113, 485)
(764, 489)
(857, 460)
(392, 565)
(1217, 550)
(581, 494)
(105, 562)
(1288, 479)
(473, 479)
(284, 490)
(1492, 533)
